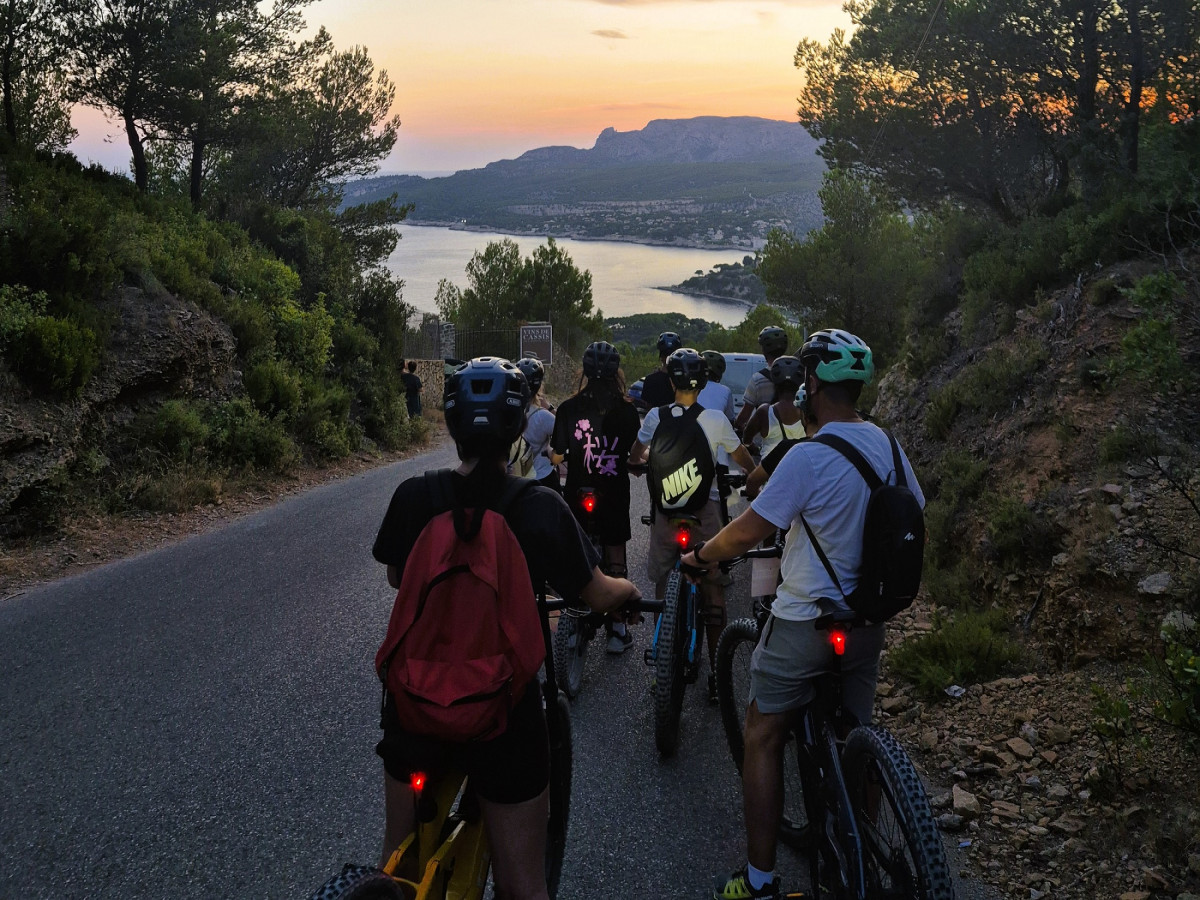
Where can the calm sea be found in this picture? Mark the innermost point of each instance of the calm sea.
(625, 277)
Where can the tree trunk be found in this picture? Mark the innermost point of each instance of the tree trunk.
(1089, 64)
(197, 170)
(141, 174)
(1131, 126)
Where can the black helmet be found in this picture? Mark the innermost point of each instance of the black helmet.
(832, 354)
(601, 360)
(484, 397)
(788, 370)
(715, 361)
(533, 370)
(687, 370)
(668, 342)
(773, 340)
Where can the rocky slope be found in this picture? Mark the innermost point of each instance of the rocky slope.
(1050, 783)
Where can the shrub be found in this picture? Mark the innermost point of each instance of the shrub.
(304, 337)
(941, 412)
(55, 355)
(1122, 444)
(19, 306)
(971, 647)
(177, 429)
(176, 491)
(926, 349)
(1012, 528)
(242, 437)
(1156, 292)
(274, 387)
(1103, 292)
(960, 478)
(1177, 702)
(1149, 352)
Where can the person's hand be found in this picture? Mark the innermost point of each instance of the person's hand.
(629, 613)
(694, 570)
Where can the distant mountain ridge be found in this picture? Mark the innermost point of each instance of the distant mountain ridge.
(706, 181)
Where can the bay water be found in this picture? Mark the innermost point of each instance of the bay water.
(626, 277)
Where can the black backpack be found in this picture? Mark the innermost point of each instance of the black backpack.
(681, 462)
(893, 539)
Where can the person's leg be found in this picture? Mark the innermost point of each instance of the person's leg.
(766, 735)
(517, 835)
(399, 815)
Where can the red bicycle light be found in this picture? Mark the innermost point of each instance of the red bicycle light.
(417, 781)
(838, 639)
(683, 537)
(589, 502)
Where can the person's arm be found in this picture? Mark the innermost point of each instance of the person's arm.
(742, 457)
(756, 427)
(755, 481)
(606, 594)
(639, 454)
(744, 533)
(749, 407)
(730, 414)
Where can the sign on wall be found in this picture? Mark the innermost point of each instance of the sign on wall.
(537, 339)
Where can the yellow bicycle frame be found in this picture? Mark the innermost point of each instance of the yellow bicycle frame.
(427, 868)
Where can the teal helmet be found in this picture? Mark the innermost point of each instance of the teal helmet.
(835, 355)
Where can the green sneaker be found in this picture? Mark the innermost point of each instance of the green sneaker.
(737, 887)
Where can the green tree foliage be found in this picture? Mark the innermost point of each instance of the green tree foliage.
(33, 91)
(505, 290)
(857, 272)
(1000, 103)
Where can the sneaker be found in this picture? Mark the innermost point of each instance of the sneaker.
(712, 690)
(619, 643)
(737, 887)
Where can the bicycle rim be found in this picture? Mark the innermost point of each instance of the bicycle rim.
(561, 768)
(668, 670)
(903, 854)
(734, 649)
(570, 654)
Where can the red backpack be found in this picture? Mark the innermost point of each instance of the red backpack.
(465, 636)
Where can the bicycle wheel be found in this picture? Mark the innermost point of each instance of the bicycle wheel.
(570, 653)
(668, 668)
(359, 883)
(734, 649)
(561, 766)
(903, 854)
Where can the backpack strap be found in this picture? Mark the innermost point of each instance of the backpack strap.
(765, 373)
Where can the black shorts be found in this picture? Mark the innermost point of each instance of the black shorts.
(512, 768)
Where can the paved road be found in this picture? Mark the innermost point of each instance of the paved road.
(198, 722)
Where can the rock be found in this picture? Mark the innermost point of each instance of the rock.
(1056, 734)
(950, 822)
(1030, 734)
(1019, 747)
(964, 803)
(1156, 584)
(1049, 756)
(1176, 623)
(928, 739)
(1155, 881)
(894, 705)
(1194, 863)
(1058, 792)
(1066, 825)
(1006, 810)
(1135, 895)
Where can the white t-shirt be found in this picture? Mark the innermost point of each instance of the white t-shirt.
(717, 428)
(716, 396)
(822, 485)
(538, 429)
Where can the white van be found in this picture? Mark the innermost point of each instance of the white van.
(738, 369)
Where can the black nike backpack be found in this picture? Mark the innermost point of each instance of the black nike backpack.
(681, 461)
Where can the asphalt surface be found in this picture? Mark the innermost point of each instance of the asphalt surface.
(199, 722)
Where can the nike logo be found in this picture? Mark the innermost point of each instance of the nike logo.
(680, 484)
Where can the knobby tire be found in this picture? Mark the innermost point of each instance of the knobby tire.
(570, 653)
(561, 768)
(359, 883)
(902, 847)
(668, 668)
(737, 643)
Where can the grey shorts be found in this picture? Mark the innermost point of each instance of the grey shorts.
(790, 655)
(663, 551)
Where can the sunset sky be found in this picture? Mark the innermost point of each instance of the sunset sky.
(481, 80)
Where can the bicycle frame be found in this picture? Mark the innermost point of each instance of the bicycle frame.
(426, 865)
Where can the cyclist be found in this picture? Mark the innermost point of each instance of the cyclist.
(656, 387)
(773, 342)
(688, 373)
(783, 419)
(485, 411)
(716, 395)
(594, 431)
(539, 426)
(819, 484)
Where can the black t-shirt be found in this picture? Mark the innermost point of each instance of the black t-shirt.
(657, 389)
(596, 445)
(412, 384)
(556, 551)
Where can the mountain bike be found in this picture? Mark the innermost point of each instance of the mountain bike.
(576, 627)
(867, 824)
(447, 856)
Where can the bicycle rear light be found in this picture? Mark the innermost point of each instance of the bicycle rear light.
(683, 537)
(838, 639)
(589, 503)
(417, 780)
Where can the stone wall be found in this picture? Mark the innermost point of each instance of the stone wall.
(433, 380)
